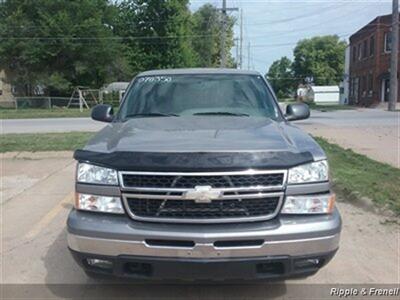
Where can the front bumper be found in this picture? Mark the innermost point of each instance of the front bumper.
(156, 246)
(269, 267)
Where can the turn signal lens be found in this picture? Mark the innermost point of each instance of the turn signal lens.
(99, 203)
(311, 204)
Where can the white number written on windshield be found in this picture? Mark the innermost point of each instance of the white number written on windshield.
(155, 79)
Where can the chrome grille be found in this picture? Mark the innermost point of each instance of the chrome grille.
(183, 209)
(178, 197)
(227, 181)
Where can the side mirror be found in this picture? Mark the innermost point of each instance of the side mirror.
(103, 113)
(297, 111)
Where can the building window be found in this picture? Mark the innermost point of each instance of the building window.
(365, 49)
(356, 85)
(370, 84)
(388, 42)
(354, 53)
(372, 46)
(364, 84)
(351, 87)
(359, 50)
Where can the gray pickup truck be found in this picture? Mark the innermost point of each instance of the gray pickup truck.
(201, 176)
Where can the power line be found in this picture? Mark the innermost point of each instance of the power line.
(137, 22)
(282, 33)
(296, 18)
(314, 1)
(289, 43)
(109, 38)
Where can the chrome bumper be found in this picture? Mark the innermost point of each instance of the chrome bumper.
(141, 248)
(116, 235)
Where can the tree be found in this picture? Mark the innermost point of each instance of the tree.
(207, 25)
(320, 58)
(159, 33)
(59, 44)
(280, 75)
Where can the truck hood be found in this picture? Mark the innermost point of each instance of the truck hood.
(200, 144)
(201, 134)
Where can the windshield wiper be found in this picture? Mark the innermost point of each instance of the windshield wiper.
(221, 113)
(150, 115)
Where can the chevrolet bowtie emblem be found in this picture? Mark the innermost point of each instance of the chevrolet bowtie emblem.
(202, 194)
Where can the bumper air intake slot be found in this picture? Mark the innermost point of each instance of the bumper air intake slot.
(170, 243)
(241, 243)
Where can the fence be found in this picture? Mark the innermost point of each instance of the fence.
(51, 102)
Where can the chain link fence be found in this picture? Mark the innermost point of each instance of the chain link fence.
(40, 102)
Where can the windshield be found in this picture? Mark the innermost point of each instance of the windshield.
(199, 95)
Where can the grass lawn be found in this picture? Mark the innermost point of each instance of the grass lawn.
(330, 107)
(33, 113)
(350, 171)
(355, 172)
(286, 100)
(320, 107)
(43, 141)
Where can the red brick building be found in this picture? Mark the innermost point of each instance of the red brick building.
(370, 49)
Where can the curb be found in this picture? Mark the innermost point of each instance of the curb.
(36, 155)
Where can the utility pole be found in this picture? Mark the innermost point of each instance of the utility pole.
(223, 31)
(393, 93)
(236, 40)
(223, 34)
(241, 40)
(248, 56)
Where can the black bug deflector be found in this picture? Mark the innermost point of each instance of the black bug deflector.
(194, 161)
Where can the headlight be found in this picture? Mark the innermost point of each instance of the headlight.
(94, 174)
(312, 204)
(99, 203)
(312, 172)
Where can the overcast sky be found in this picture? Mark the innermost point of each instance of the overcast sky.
(273, 27)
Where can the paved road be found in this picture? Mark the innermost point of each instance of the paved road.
(343, 118)
(37, 194)
(49, 125)
(356, 117)
(373, 132)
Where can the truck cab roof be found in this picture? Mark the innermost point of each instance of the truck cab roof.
(193, 71)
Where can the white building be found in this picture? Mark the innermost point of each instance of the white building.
(325, 94)
(119, 87)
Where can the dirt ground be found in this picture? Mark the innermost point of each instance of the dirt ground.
(37, 195)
